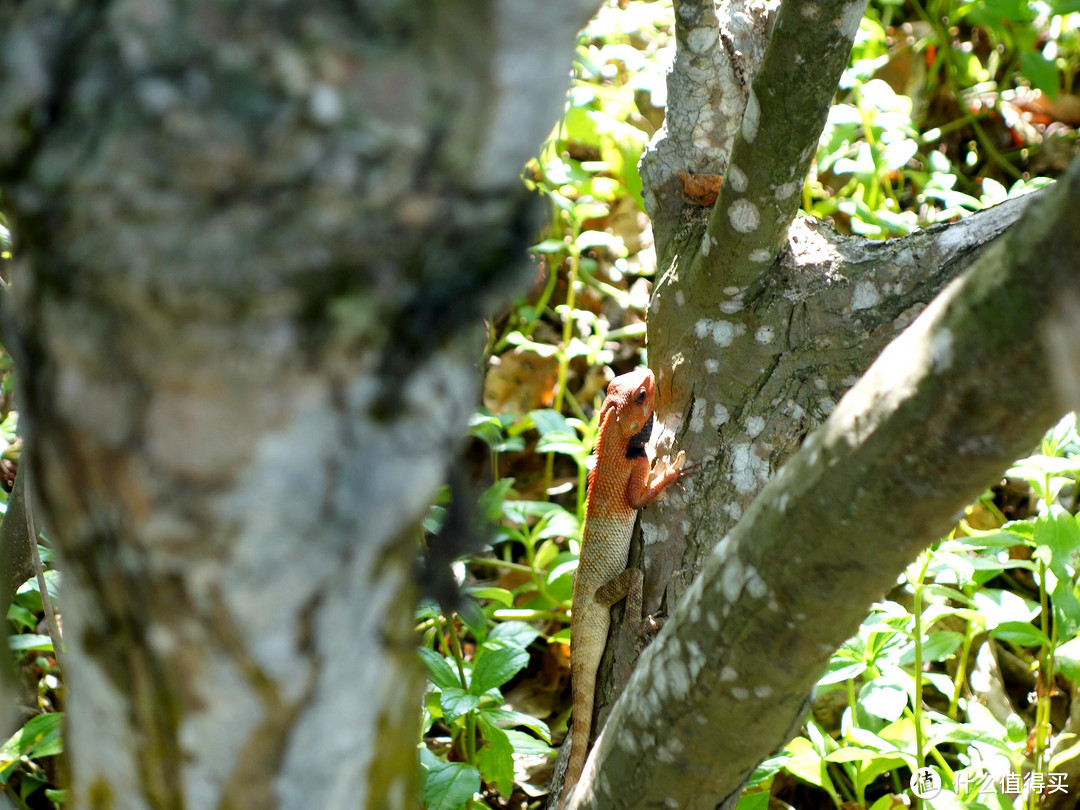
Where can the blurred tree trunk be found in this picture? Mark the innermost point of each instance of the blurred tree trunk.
(253, 242)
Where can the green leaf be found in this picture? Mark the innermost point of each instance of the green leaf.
(473, 617)
(494, 667)
(490, 503)
(506, 717)
(40, 737)
(516, 635)
(937, 646)
(550, 421)
(1059, 532)
(569, 444)
(495, 758)
(1040, 71)
(446, 785)
(1021, 633)
(23, 618)
(807, 764)
(753, 801)
(439, 670)
(1066, 607)
(559, 523)
(883, 699)
(456, 702)
(1016, 728)
(1003, 606)
(486, 427)
(767, 770)
(1064, 756)
(527, 745)
(500, 595)
(841, 673)
(1067, 658)
(30, 641)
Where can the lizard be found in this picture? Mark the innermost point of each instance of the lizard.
(619, 485)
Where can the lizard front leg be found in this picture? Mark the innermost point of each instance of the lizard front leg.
(628, 584)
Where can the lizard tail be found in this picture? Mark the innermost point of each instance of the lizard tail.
(583, 688)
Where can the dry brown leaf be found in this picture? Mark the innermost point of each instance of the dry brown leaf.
(520, 381)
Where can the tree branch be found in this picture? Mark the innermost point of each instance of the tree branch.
(785, 113)
(917, 438)
(717, 52)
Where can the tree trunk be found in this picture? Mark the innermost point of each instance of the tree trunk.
(758, 327)
(252, 246)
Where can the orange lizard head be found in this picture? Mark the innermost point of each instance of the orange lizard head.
(630, 396)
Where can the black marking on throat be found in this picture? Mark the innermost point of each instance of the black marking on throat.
(635, 445)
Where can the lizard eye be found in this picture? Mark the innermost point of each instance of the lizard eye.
(639, 397)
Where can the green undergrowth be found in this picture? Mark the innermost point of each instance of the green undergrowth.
(932, 122)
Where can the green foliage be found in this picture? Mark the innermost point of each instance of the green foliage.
(28, 759)
(927, 123)
(925, 129)
(464, 698)
(909, 700)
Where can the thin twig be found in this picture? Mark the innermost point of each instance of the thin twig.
(46, 600)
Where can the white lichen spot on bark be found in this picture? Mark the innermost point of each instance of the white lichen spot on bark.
(729, 674)
(760, 256)
(810, 11)
(700, 40)
(680, 298)
(713, 621)
(720, 416)
(723, 548)
(695, 659)
(731, 307)
(733, 510)
(941, 349)
(849, 20)
(325, 105)
(724, 332)
(762, 691)
(785, 190)
(747, 468)
(782, 503)
(706, 244)
(751, 118)
(697, 416)
(744, 216)
(765, 334)
(671, 804)
(731, 290)
(755, 585)
(739, 693)
(731, 581)
(754, 426)
(712, 365)
(736, 178)
(865, 295)
(652, 533)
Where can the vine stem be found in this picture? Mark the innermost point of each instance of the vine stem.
(39, 571)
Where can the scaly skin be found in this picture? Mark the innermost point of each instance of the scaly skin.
(618, 486)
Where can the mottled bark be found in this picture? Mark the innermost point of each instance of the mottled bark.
(253, 243)
(753, 351)
(916, 439)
